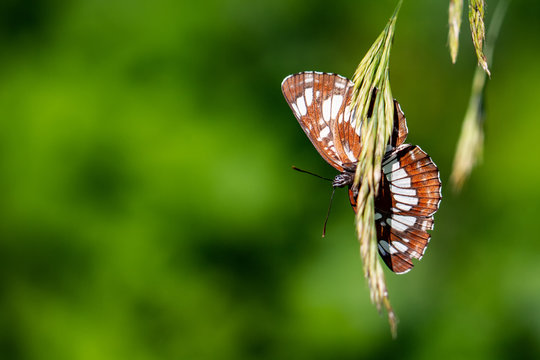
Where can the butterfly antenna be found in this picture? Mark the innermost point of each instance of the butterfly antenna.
(328, 213)
(310, 173)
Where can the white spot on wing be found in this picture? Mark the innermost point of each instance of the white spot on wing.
(407, 220)
(403, 207)
(404, 182)
(350, 154)
(309, 96)
(377, 216)
(396, 225)
(381, 249)
(326, 109)
(325, 132)
(406, 199)
(347, 113)
(389, 159)
(399, 246)
(387, 168)
(301, 105)
(336, 105)
(385, 245)
(398, 190)
(295, 109)
(398, 174)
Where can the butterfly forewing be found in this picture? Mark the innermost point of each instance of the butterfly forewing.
(321, 104)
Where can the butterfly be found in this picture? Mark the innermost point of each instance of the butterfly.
(410, 188)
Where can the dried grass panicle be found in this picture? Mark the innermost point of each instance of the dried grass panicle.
(470, 146)
(455, 11)
(478, 31)
(372, 72)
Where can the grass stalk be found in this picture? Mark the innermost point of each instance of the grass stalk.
(372, 72)
(469, 151)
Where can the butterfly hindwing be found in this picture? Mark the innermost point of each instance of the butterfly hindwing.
(400, 131)
(413, 180)
(409, 195)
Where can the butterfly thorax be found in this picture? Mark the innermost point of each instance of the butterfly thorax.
(343, 179)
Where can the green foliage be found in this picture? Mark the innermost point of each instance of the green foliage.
(148, 209)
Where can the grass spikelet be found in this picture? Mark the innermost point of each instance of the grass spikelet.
(455, 11)
(478, 31)
(375, 133)
(470, 146)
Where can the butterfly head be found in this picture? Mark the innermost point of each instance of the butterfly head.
(343, 179)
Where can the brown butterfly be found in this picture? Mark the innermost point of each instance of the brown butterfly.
(410, 188)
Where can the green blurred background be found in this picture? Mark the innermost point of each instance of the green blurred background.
(149, 211)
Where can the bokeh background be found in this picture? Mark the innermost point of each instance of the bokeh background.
(148, 209)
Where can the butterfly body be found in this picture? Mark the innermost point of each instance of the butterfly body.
(410, 187)
(345, 178)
